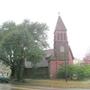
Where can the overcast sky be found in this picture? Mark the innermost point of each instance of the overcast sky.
(75, 15)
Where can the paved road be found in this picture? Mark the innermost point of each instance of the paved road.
(5, 87)
(10, 87)
(48, 88)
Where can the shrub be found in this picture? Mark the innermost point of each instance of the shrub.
(73, 72)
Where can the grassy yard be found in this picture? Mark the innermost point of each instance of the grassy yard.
(58, 83)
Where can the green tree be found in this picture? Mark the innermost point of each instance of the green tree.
(73, 71)
(86, 69)
(25, 41)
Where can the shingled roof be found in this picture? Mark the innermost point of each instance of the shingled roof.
(42, 63)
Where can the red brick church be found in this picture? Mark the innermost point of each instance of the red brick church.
(60, 55)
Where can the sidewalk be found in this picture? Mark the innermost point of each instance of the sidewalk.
(45, 88)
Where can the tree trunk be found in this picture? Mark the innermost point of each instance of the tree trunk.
(13, 70)
(17, 72)
(20, 70)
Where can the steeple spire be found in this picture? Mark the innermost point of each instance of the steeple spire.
(60, 25)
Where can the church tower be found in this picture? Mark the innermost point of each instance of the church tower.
(60, 41)
(62, 52)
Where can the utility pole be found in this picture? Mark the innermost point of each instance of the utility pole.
(65, 69)
(66, 59)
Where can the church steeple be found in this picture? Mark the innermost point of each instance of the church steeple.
(60, 40)
(60, 25)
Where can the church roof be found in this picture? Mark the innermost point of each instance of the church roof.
(49, 52)
(60, 25)
(43, 62)
(71, 53)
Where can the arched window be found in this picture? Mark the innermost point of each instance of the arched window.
(58, 37)
(64, 36)
(61, 36)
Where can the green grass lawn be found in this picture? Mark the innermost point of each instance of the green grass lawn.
(58, 83)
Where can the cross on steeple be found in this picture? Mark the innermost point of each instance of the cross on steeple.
(58, 13)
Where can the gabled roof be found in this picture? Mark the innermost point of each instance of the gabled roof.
(71, 53)
(43, 62)
(60, 25)
(49, 52)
